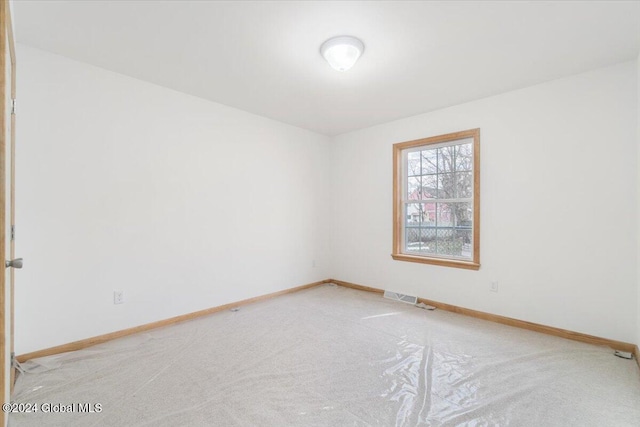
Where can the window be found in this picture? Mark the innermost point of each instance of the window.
(436, 200)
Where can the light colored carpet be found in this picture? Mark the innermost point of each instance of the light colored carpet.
(331, 356)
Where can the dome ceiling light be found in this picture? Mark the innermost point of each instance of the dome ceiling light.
(342, 52)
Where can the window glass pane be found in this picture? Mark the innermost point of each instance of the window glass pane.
(446, 159)
(413, 243)
(429, 213)
(444, 215)
(413, 221)
(413, 188)
(464, 236)
(428, 239)
(429, 161)
(447, 186)
(464, 184)
(464, 157)
(462, 214)
(430, 186)
(413, 214)
(413, 163)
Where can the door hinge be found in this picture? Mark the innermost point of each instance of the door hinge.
(13, 232)
(13, 359)
(13, 106)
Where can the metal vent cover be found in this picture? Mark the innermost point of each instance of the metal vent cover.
(409, 299)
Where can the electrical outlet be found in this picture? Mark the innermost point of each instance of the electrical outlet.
(118, 297)
(494, 287)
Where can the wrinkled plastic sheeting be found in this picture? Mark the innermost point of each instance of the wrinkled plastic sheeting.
(331, 356)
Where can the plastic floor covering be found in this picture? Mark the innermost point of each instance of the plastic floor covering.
(331, 356)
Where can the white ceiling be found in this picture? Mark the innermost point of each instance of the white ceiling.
(263, 57)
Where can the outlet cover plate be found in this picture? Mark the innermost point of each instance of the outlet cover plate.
(118, 297)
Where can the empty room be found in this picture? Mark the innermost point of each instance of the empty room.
(320, 213)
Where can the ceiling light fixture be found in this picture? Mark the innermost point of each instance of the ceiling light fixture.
(342, 52)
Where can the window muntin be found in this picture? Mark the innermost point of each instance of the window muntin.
(436, 200)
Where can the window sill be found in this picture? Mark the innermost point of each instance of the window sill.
(469, 265)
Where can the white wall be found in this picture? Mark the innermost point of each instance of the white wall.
(558, 205)
(186, 204)
(181, 203)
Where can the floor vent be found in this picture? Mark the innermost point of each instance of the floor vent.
(401, 297)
